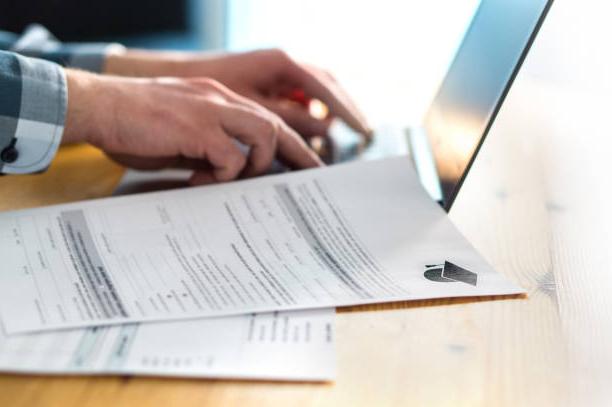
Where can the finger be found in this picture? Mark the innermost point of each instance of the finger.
(327, 78)
(320, 86)
(223, 155)
(202, 177)
(291, 148)
(257, 130)
(146, 163)
(227, 159)
(298, 118)
(293, 151)
(252, 125)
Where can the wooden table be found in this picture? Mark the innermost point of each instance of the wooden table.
(536, 205)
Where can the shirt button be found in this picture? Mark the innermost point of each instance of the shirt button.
(9, 155)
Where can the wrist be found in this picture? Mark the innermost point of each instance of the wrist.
(86, 105)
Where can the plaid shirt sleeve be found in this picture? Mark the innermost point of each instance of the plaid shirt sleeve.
(33, 97)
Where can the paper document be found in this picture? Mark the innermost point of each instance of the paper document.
(296, 345)
(356, 233)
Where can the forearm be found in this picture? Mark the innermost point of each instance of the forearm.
(142, 63)
(268, 77)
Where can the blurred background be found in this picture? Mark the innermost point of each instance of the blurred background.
(385, 49)
(410, 42)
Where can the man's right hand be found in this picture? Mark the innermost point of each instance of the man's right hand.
(181, 123)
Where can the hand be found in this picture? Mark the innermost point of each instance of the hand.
(186, 123)
(268, 77)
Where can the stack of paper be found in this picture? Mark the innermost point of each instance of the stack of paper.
(282, 346)
(358, 233)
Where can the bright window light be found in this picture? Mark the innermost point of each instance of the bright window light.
(389, 54)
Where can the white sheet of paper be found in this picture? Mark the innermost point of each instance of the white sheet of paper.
(356, 233)
(296, 345)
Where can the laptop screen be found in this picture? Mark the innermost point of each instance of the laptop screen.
(476, 83)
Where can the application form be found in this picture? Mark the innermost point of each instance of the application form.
(296, 345)
(355, 233)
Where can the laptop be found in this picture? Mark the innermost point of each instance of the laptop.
(444, 147)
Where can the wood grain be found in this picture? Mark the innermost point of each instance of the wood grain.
(78, 172)
(483, 351)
